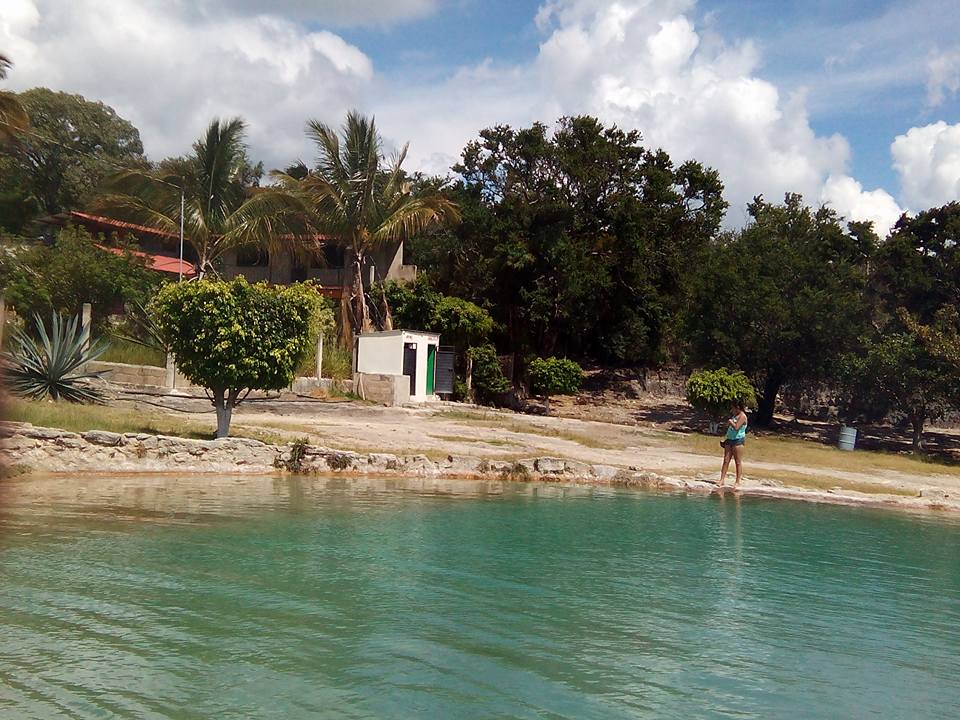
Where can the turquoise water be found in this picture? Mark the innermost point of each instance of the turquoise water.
(316, 598)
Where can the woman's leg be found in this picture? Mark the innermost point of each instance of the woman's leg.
(727, 454)
(738, 459)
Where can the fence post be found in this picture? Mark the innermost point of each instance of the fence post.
(85, 316)
(170, 379)
(469, 376)
(320, 356)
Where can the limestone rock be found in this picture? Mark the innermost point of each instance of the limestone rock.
(549, 465)
(102, 437)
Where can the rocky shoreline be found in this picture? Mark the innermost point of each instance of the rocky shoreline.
(29, 449)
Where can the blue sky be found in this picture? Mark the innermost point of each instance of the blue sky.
(854, 103)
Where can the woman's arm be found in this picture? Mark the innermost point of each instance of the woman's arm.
(739, 421)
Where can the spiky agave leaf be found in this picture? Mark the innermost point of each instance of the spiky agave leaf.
(52, 365)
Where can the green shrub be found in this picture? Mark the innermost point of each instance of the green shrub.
(713, 391)
(40, 279)
(489, 382)
(555, 376)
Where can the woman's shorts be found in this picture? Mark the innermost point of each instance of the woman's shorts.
(729, 442)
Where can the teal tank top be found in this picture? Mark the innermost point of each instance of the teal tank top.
(735, 434)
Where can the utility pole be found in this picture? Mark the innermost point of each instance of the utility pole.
(181, 234)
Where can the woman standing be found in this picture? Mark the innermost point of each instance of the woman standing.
(734, 442)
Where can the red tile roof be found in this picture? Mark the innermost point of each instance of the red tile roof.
(160, 263)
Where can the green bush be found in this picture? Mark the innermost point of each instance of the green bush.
(713, 391)
(39, 279)
(555, 376)
(489, 382)
(231, 337)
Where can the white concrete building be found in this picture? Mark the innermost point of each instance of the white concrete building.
(408, 356)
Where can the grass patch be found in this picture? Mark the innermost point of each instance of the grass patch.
(124, 351)
(81, 418)
(787, 451)
(337, 361)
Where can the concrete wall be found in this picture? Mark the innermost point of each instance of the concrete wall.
(385, 389)
(380, 354)
(141, 375)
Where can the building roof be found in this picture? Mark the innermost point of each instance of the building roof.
(105, 224)
(160, 263)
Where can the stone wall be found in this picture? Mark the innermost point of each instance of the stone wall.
(50, 450)
(390, 390)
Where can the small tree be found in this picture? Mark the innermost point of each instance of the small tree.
(713, 391)
(488, 378)
(233, 337)
(896, 373)
(554, 376)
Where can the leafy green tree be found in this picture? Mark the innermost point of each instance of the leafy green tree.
(234, 337)
(489, 382)
(713, 391)
(577, 241)
(355, 197)
(555, 376)
(917, 268)
(74, 143)
(40, 279)
(895, 373)
(781, 299)
(222, 207)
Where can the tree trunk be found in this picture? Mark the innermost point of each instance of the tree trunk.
(917, 419)
(767, 401)
(223, 402)
(361, 316)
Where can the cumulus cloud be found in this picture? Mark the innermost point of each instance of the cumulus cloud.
(927, 159)
(847, 196)
(646, 65)
(170, 72)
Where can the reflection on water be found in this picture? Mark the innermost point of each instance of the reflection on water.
(256, 597)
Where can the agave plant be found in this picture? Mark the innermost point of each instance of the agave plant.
(53, 365)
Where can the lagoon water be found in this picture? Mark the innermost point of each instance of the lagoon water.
(308, 598)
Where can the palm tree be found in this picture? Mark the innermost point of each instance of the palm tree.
(220, 209)
(13, 118)
(358, 199)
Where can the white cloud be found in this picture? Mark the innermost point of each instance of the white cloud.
(927, 159)
(644, 65)
(170, 72)
(943, 76)
(848, 197)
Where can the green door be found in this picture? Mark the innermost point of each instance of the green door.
(431, 367)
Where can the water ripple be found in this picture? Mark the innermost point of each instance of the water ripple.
(386, 598)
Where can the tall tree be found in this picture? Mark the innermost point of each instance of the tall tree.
(780, 300)
(73, 144)
(222, 206)
(577, 239)
(360, 199)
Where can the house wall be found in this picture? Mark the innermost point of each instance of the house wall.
(380, 354)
